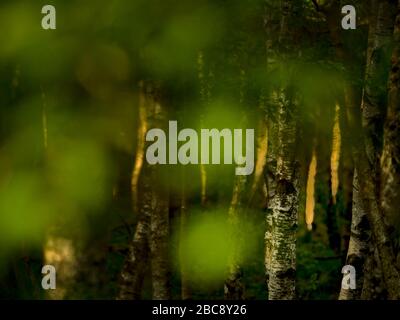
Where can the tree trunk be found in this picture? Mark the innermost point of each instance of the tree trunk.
(373, 287)
(270, 184)
(284, 205)
(282, 216)
(270, 162)
(150, 242)
(159, 219)
(358, 245)
(375, 89)
(390, 197)
(262, 149)
(135, 264)
(186, 292)
(365, 169)
(159, 248)
(234, 288)
(140, 150)
(372, 106)
(205, 97)
(373, 112)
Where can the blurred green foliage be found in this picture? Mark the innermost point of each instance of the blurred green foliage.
(209, 243)
(68, 130)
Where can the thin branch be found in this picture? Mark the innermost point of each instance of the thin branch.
(315, 2)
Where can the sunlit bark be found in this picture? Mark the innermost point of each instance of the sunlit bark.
(262, 149)
(142, 129)
(205, 98)
(60, 253)
(335, 155)
(310, 199)
(151, 239)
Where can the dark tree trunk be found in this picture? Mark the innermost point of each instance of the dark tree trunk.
(390, 197)
(380, 32)
(151, 239)
(234, 288)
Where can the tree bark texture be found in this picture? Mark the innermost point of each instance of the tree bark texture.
(151, 238)
(358, 245)
(373, 110)
(284, 204)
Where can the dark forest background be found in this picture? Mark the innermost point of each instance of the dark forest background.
(76, 191)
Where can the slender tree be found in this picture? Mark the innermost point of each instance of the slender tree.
(391, 149)
(135, 264)
(373, 111)
(186, 290)
(359, 243)
(390, 197)
(284, 204)
(234, 288)
(151, 239)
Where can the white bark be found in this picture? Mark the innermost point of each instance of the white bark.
(284, 205)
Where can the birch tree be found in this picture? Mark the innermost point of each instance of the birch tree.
(284, 203)
(151, 238)
(368, 191)
(135, 265)
(373, 110)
